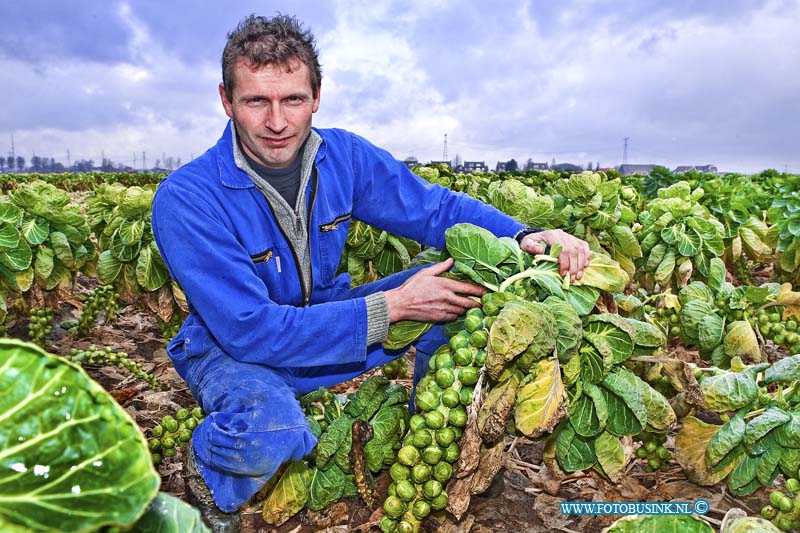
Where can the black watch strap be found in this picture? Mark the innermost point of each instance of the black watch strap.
(523, 232)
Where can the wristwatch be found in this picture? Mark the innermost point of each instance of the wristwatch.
(518, 236)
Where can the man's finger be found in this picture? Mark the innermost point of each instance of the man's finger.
(439, 268)
(462, 287)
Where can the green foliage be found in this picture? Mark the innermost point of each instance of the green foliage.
(68, 446)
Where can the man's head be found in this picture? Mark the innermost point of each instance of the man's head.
(271, 87)
(279, 42)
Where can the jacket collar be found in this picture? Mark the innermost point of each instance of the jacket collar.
(230, 174)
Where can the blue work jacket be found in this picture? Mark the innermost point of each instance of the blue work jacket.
(222, 244)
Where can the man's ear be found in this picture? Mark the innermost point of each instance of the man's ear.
(226, 104)
(316, 100)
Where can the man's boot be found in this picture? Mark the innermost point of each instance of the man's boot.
(197, 494)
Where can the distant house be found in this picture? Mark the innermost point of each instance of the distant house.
(629, 170)
(411, 162)
(536, 166)
(566, 167)
(469, 166)
(710, 169)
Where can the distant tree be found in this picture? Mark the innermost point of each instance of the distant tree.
(553, 162)
(2, 163)
(10, 162)
(597, 166)
(529, 164)
(20, 163)
(512, 165)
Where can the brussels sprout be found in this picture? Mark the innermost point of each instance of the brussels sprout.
(157, 431)
(190, 423)
(421, 439)
(445, 377)
(663, 453)
(156, 458)
(452, 452)
(394, 507)
(388, 524)
(445, 360)
(780, 501)
(445, 436)
(793, 485)
(392, 489)
(399, 472)
(406, 527)
(427, 400)
(450, 398)
(654, 463)
(184, 435)
(768, 512)
(405, 490)
(650, 446)
(465, 395)
(182, 414)
(476, 312)
(439, 502)
(641, 453)
(462, 357)
(408, 455)
(167, 442)
(154, 444)
(457, 417)
(459, 340)
(421, 473)
(442, 472)
(432, 455)
(416, 422)
(480, 358)
(168, 452)
(169, 423)
(468, 375)
(431, 489)
(421, 509)
(479, 338)
(473, 323)
(434, 419)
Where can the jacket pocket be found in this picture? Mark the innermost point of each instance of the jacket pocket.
(268, 264)
(332, 237)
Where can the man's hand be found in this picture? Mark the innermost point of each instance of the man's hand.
(426, 297)
(575, 253)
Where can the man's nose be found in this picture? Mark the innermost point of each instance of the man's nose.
(276, 119)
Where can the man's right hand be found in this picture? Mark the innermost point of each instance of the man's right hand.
(427, 297)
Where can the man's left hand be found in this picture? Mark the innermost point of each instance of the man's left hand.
(575, 253)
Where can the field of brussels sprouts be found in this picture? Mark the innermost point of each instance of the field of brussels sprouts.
(670, 372)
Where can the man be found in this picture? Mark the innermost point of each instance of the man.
(253, 230)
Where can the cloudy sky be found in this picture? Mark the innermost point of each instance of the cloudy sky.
(689, 82)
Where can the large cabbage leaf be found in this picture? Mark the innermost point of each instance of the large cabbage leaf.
(70, 457)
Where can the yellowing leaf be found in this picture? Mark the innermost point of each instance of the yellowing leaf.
(541, 399)
(690, 452)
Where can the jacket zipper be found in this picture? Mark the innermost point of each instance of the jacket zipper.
(306, 291)
(331, 226)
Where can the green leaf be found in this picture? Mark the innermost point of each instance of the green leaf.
(573, 452)
(368, 398)
(541, 399)
(625, 385)
(763, 424)
(108, 268)
(710, 332)
(151, 273)
(9, 237)
(660, 415)
(785, 370)
(689, 243)
(768, 464)
(404, 332)
(570, 328)
(43, 265)
(726, 439)
(625, 241)
(691, 443)
(603, 273)
(62, 249)
(611, 456)
(19, 258)
(36, 230)
(592, 369)
(612, 335)
(10, 214)
(131, 231)
(788, 434)
(728, 391)
(476, 247)
(741, 340)
(660, 524)
(744, 473)
(326, 488)
(339, 435)
(66, 447)
(168, 514)
(289, 495)
(583, 416)
(665, 267)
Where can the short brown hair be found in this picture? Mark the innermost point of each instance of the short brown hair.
(262, 41)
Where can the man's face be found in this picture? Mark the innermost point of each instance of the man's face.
(272, 110)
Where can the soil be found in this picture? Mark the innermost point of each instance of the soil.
(525, 496)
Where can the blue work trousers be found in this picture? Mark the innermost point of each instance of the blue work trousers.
(254, 421)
